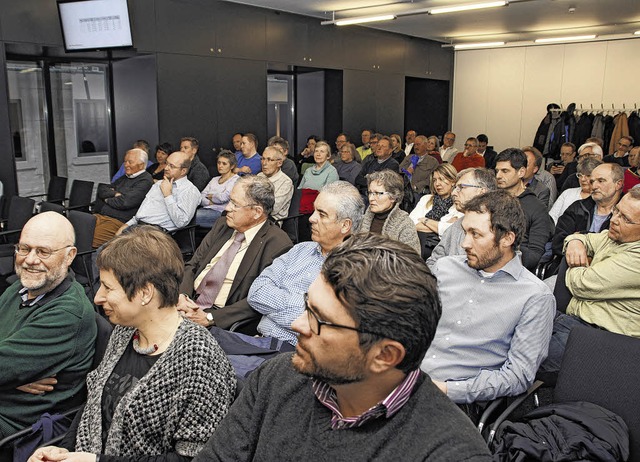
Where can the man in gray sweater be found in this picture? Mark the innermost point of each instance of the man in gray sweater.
(353, 389)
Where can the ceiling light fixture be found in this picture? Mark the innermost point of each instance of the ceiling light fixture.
(465, 46)
(467, 7)
(636, 32)
(360, 20)
(565, 39)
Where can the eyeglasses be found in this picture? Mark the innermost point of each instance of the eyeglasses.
(461, 186)
(315, 323)
(377, 194)
(582, 176)
(41, 252)
(173, 166)
(468, 145)
(233, 206)
(626, 220)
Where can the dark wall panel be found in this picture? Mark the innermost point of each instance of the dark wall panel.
(240, 31)
(426, 101)
(33, 21)
(8, 170)
(310, 99)
(359, 110)
(185, 27)
(389, 103)
(136, 102)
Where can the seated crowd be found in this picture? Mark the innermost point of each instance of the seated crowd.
(407, 299)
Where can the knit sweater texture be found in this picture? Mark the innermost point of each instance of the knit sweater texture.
(175, 407)
(278, 417)
(398, 226)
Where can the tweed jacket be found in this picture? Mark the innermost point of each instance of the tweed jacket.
(398, 226)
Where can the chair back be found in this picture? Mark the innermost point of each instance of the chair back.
(51, 207)
(560, 291)
(20, 211)
(57, 189)
(290, 224)
(80, 195)
(603, 368)
(102, 339)
(84, 225)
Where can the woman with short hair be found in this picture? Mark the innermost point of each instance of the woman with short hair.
(164, 383)
(217, 194)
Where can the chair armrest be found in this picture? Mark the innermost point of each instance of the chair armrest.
(489, 410)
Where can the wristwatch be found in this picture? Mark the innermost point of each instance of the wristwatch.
(210, 320)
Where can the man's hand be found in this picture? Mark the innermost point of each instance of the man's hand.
(117, 194)
(47, 453)
(39, 387)
(410, 169)
(441, 385)
(245, 169)
(576, 254)
(556, 169)
(166, 187)
(121, 228)
(191, 311)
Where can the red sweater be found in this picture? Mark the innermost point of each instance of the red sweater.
(460, 162)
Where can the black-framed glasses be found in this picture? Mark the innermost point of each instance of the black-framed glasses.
(41, 252)
(624, 219)
(315, 323)
(461, 186)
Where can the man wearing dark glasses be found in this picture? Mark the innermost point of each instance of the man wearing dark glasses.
(353, 389)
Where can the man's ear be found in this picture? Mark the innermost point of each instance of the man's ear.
(507, 240)
(347, 224)
(522, 172)
(385, 355)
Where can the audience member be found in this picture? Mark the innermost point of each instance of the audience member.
(621, 155)
(495, 329)
(231, 256)
(365, 149)
(215, 196)
(172, 202)
(569, 196)
(603, 274)
(47, 327)
(348, 168)
(380, 160)
(419, 166)
(566, 166)
(341, 140)
(591, 215)
(157, 169)
(469, 158)
(288, 166)
(198, 173)
(249, 159)
(396, 145)
(353, 387)
(272, 161)
(383, 216)
(511, 166)
(486, 152)
(433, 148)
(631, 175)
(432, 207)
(305, 158)
(237, 143)
(531, 182)
(139, 144)
(140, 401)
(448, 151)
(409, 139)
(589, 149)
(470, 183)
(278, 292)
(118, 202)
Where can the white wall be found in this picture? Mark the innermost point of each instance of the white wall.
(504, 92)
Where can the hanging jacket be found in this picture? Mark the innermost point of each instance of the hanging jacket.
(598, 126)
(542, 134)
(620, 129)
(608, 131)
(634, 127)
(584, 124)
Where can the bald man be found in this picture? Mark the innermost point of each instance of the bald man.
(47, 327)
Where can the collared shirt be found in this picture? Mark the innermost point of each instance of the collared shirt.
(447, 154)
(283, 188)
(408, 147)
(605, 293)
(171, 212)
(221, 299)
(278, 293)
(387, 407)
(494, 330)
(24, 295)
(137, 174)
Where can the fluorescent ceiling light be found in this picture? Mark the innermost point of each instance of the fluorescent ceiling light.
(464, 46)
(636, 32)
(363, 19)
(466, 7)
(565, 39)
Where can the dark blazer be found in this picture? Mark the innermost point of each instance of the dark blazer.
(490, 158)
(269, 243)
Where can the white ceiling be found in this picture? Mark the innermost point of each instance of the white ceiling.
(520, 21)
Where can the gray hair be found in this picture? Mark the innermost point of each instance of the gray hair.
(435, 138)
(259, 191)
(587, 164)
(484, 177)
(595, 149)
(391, 181)
(142, 155)
(348, 203)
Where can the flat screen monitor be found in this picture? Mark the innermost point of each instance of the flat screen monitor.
(95, 24)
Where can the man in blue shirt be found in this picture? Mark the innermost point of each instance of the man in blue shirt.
(497, 316)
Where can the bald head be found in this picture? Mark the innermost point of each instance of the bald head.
(178, 164)
(45, 252)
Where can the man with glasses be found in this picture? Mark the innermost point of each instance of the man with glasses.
(448, 151)
(278, 292)
(495, 330)
(198, 173)
(591, 215)
(469, 158)
(172, 202)
(381, 160)
(47, 327)
(365, 149)
(272, 159)
(288, 166)
(621, 155)
(353, 389)
(236, 250)
(470, 183)
(603, 275)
